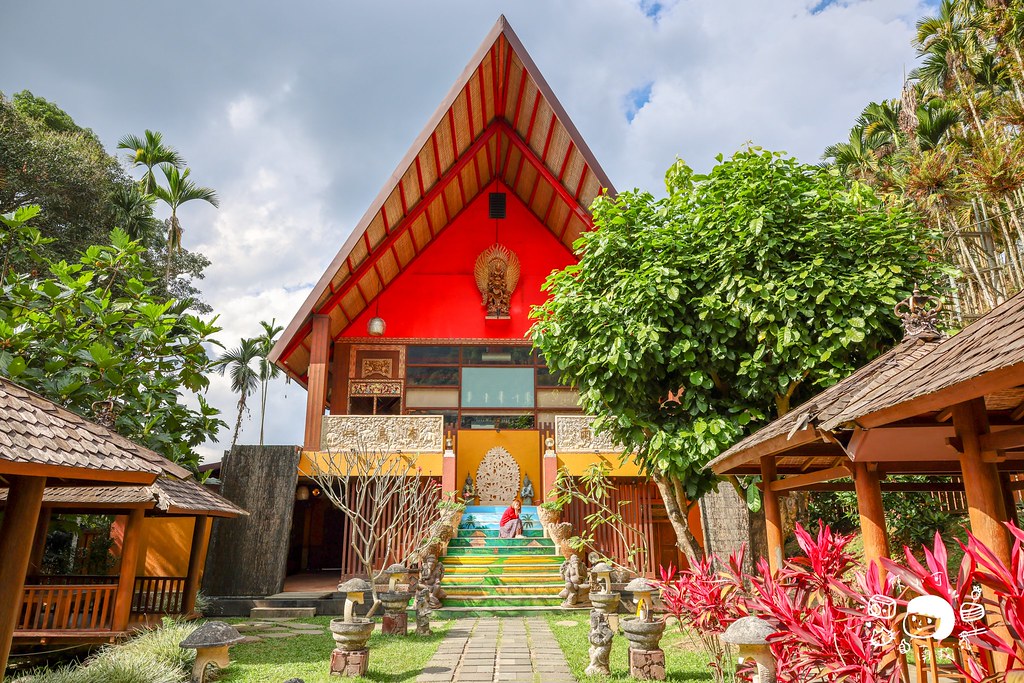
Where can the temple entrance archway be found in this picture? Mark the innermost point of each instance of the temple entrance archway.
(498, 460)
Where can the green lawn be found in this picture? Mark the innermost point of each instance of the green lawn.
(682, 661)
(393, 659)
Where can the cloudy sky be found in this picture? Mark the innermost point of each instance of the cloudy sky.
(297, 112)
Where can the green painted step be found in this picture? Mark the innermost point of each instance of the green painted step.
(498, 550)
(503, 601)
(526, 611)
(508, 562)
(493, 533)
(474, 590)
(501, 543)
(500, 579)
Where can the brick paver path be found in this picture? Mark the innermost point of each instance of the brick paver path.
(510, 650)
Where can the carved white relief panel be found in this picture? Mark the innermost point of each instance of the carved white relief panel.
(574, 434)
(396, 433)
(497, 478)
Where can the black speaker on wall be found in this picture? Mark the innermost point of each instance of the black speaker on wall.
(496, 205)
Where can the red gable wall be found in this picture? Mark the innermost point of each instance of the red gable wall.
(436, 296)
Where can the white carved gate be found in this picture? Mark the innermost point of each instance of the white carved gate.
(497, 478)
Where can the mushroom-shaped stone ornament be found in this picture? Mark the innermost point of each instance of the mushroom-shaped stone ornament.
(396, 573)
(355, 591)
(603, 572)
(211, 642)
(642, 590)
(751, 634)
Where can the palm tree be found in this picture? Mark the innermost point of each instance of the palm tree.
(856, 158)
(245, 379)
(133, 212)
(267, 370)
(951, 50)
(149, 151)
(179, 190)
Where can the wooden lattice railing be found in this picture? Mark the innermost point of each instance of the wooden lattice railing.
(158, 595)
(74, 607)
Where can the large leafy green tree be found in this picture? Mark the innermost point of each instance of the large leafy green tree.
(96, 336)
(691, 318)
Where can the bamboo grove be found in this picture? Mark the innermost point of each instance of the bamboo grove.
(951, 146)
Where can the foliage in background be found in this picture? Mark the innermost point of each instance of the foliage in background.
(951, 145)
(249, 367)
(94, 331)
(690, 317)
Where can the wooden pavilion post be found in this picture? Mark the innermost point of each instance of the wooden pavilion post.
(1009, 498)
(35, 562)
(316, 381)
(772, 515)
(872, 513)
(128, 569)
(24, 500)
(196, 560)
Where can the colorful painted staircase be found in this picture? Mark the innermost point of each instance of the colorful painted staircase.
(490, 576)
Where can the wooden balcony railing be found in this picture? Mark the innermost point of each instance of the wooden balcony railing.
(73, 607)
(158, 595)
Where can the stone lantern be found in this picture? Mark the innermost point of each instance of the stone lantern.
(643, 631)
(602, 597)
(350, 657)
(751, 634)
(211, 642)
(396, 602)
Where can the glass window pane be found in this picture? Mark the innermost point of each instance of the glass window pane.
(547, 377)
(497, 355)
(497, 387)
(432, 398)
(433, 355)
(470, 421)
(432, 376)
(557, 398)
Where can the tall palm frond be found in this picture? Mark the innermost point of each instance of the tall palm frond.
(149, 151)
(133, 212)
(179, 190)
(239, 364)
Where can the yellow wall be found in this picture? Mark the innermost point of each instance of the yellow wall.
(524, 445)
(165, 544)
(429, 462)
(577, 463)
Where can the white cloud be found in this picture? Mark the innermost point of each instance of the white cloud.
(297, 118)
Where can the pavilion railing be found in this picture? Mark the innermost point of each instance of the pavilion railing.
(158, 595)
(72, 607)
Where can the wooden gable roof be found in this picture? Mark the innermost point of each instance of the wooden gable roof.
(500, 121)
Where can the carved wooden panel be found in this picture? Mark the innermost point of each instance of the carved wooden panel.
(573, 434)
(396, 433)
(497, 478)
(370, 388)
(377, 362)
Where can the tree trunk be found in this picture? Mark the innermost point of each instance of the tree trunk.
(669, 488)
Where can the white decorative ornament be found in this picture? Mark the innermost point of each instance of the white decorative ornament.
(929, 616)
(497, 478)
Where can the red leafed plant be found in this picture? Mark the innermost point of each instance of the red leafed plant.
(1006, 582)
(704, 602)
(818, 606)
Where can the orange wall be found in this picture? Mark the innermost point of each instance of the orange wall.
(577, 463)
(524, 445)
(430, 463)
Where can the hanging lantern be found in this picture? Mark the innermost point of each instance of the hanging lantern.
(302, 493)
(376, 326)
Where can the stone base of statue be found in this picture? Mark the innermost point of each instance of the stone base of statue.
(647, 665)
(600, 638)
(423, 624)
(395, 623)
(349, 663)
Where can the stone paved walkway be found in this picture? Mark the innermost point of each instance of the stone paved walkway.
(511, 650)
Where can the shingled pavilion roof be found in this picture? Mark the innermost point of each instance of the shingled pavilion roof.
(37, 436)
(499, 122)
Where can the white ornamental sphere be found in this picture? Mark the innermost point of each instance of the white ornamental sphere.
(376, 326)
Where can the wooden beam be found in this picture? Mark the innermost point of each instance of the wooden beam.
(35, 562)
(1018, 412)
(339, 378)
(196, 560)
(872, 513)
(1005, 440)
(802, 481)
(316, 384)
(128, 570)
(944, 415)
(772, 516)
(19, 526)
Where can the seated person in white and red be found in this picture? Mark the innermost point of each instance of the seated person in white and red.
(511, 525)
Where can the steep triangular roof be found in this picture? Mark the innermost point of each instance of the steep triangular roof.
(500, 121)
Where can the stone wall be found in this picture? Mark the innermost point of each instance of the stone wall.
(247, 555)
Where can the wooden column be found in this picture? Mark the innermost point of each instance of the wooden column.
(550, 467)
(772, 516)
(35, 563)
(128, 570)
(1009, 499)
(196, 559)
(982, 485)
(339, 378)
(24, 500)
(448, 483)
(872, 512)
(316, 380)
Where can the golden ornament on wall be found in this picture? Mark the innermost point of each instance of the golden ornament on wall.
(497, 274)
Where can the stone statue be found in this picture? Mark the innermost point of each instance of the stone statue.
(429, 582)
(468, 492)
(497, 273)
(527, 492)
(600, 644)
(423, 611)
(575, 576)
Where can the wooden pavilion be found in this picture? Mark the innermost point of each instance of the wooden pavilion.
(932, 405)
(54, 461)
